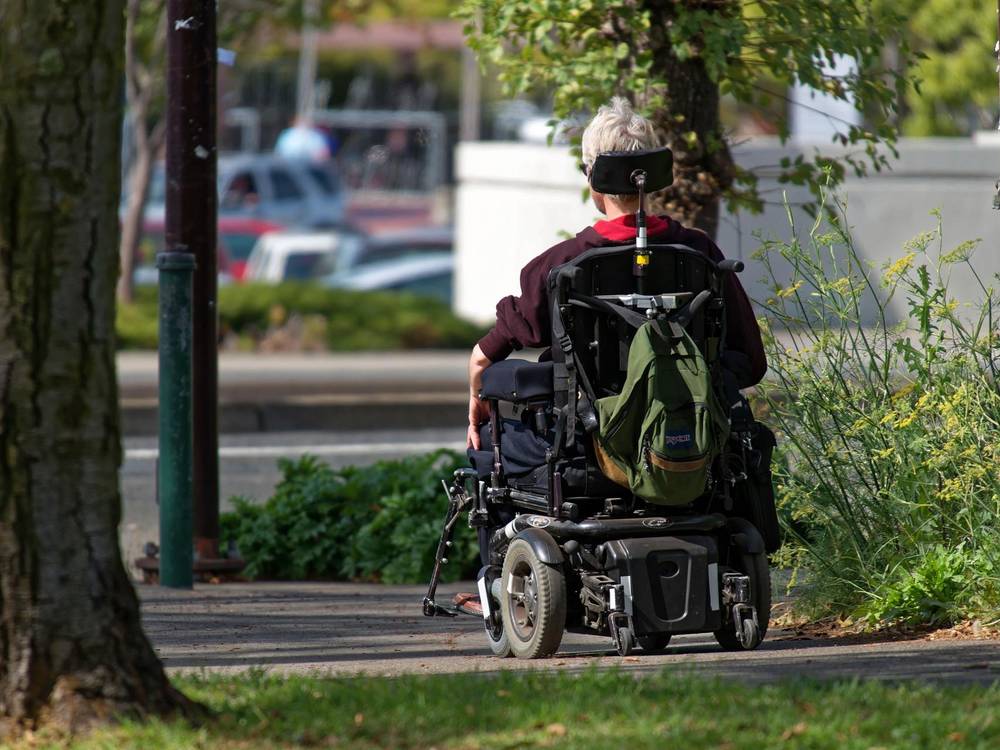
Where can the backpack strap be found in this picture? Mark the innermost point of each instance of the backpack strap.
(567, 369)
(677, 321)
(631, 317)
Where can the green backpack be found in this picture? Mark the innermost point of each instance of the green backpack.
(660, 436)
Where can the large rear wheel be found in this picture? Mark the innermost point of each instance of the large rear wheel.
(654, 644)
(754, 566)
(532, 602)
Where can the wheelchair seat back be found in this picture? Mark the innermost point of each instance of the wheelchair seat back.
(668, 280)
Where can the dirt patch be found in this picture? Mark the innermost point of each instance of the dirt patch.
(848, 632)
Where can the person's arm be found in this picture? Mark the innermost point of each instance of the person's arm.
(479, 411)
(523, 321)
(742, 331)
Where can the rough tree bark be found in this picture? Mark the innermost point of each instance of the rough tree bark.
(72, 648)
(703, 168)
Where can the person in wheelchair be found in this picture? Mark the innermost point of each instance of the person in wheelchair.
(626, 488)
(524, 322)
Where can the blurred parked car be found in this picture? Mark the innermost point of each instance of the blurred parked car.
(429, 275)
(402, 244)
(237, 237)
(284, 256)
(153, 242)
(269, 188)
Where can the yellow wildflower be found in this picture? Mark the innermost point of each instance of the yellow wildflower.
(898, 268)
(841, 285)
(790, 290)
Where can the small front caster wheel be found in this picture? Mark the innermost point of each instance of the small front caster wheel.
(498, 640)
(754, 566)
(626, 641)
(751, 635)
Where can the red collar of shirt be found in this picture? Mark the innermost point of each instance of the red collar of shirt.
(623, 228)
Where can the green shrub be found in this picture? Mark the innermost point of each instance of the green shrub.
(137, 325)
(345, 320)
(380, 522)
(886, 471)
(355, 320)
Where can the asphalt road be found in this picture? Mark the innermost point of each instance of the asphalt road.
(342, 628)
(248, 466)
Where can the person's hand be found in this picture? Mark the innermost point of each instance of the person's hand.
(479, 412)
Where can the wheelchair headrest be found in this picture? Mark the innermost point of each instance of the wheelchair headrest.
(613, 171)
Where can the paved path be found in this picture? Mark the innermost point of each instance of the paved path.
(335, 628)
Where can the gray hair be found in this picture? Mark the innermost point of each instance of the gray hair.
(616, 127)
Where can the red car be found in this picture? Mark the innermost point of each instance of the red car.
(237, 236)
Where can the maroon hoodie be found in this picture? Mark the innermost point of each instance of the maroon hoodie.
(524, 321)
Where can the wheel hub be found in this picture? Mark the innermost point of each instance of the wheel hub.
(523, 598)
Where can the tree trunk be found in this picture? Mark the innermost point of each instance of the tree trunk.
(703, 166)
(140, 175)
(72, 648)
(140, 89)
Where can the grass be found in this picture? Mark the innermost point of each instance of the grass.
(558, 710)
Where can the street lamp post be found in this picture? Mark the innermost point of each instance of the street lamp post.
(191, 216)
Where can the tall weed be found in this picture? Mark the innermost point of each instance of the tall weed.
(886, 473)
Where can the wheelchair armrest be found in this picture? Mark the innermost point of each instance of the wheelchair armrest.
(730, 265)
(518, 381)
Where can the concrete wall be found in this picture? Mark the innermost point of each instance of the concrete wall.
(515, 200)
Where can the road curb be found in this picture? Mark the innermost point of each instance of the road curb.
(318, 413)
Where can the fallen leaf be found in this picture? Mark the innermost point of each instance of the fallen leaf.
(956, 736)
(794, 731)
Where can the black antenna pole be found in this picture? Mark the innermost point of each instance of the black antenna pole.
(638, 178)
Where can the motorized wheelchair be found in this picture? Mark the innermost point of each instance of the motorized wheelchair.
(563, 546)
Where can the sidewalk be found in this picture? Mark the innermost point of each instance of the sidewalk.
(287, 392)
(346, 628)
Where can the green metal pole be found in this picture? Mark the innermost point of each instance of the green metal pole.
(174, 479)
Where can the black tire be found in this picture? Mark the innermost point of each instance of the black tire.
(626, 641)
(498, 640)
(495, 634)
(653, 644)
(755, 566)
(534, 615)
